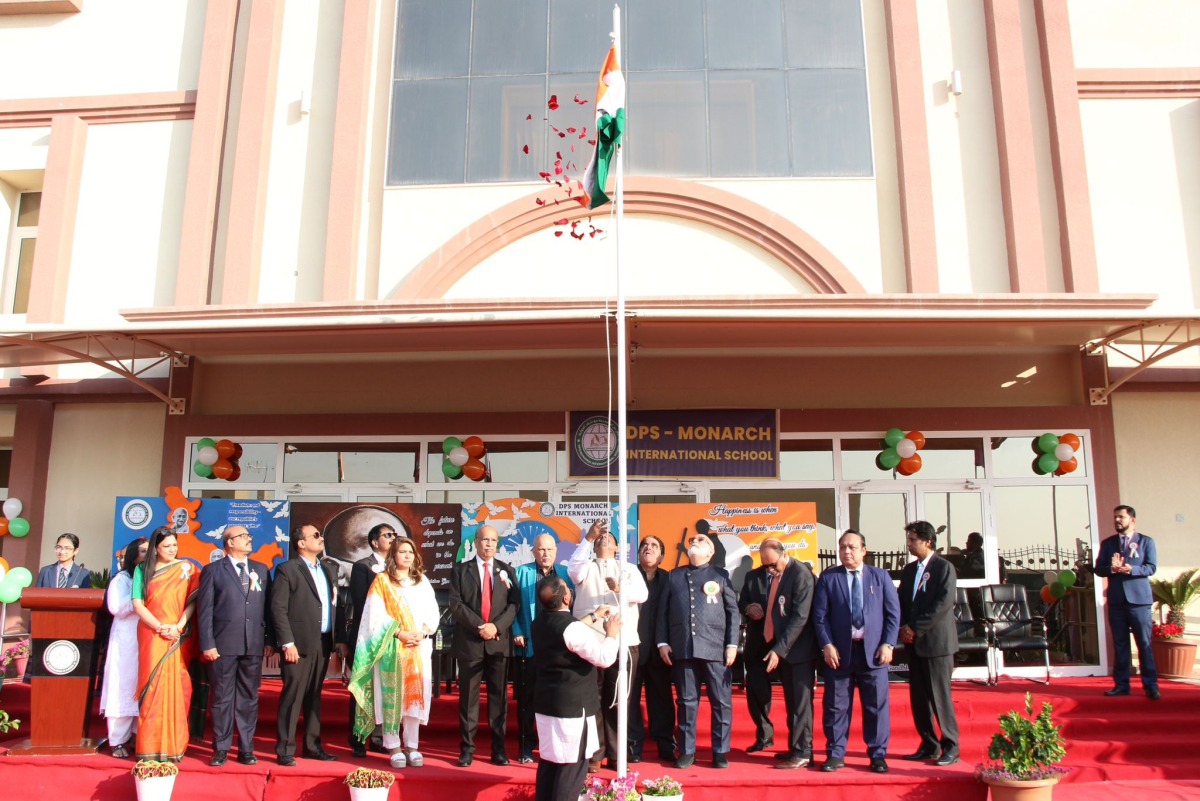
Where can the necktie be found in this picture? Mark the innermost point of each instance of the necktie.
(1124, 547)
(244, 575)
(856, 610)
(485, 605)
(769, 625)
(62, 578)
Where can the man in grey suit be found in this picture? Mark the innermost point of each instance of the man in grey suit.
(927, 627)
(231, 617)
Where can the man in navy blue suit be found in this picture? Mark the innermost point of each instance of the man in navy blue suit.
(856, 613)
(1128, 559)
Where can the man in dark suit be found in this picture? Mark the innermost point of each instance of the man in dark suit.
(1128, 559)
(777, 599)
(856, 614)
(928, 629)
(483, 601)
(231, 617)
(653, 673)
(64, 573)
(362, 576)
(303, 599)
(698, 630)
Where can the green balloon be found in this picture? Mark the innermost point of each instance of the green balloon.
(18, 527)
(1046, 444)
(1057, 589)
(1047, 462)
(450, 469)
(10, 593)
(893, 436)
(207, 442)
(1067, 578)
(202, 470)
(889, 459)
(20, 576)
(449, 444)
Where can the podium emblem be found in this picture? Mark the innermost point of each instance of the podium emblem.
(61, 657)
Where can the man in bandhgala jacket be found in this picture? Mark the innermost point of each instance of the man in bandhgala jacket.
(698, 630)
(231, 619)
(1128, 559)
(483, 602)
(928, 628)
(566, 654)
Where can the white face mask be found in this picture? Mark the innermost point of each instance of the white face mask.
(697, 551)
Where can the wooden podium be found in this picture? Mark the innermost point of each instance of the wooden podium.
(63, 632)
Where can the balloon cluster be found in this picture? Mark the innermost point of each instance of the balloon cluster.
(12, 522)
(900, 451)
(1057, 584)
(464, 457)
(13, 582)
(218, 459)
(1055, 454)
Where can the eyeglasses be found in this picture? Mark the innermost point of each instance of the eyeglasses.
(64, 547)
(317, 536)
(391, 535)
(244, 535)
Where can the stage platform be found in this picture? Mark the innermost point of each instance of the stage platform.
(1130, 747)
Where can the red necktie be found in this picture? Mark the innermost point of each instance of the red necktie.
(485, 606)
(769, 626)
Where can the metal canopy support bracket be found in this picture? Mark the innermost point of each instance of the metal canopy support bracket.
(1178, 336)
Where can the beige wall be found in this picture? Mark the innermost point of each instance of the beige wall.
(1134, 33)
(99, 451)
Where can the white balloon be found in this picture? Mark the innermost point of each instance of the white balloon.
(13, 508)
(208, 456)
(1064, 453)
(906, 448)
(1, 572)
(1050, 576)
(459, 456)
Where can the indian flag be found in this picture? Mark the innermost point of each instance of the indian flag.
(610, 124)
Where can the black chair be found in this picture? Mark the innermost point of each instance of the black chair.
(974, 636)
(1013, 625)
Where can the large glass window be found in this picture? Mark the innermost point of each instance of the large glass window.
(349, 463)
(948, 458)
(715, 88)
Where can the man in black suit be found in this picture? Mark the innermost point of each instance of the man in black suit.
(780, 636)
(483, 601)
(927, 627)
(231, 615)
(303, 600)
(362, 576)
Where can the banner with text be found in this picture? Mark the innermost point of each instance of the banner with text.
(520, 521)
(700, 443)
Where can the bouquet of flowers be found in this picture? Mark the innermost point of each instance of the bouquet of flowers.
(151, 769)
(666, 786)
(364, 778)
(622, 788)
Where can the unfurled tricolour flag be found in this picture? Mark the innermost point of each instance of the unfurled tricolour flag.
(610, 123)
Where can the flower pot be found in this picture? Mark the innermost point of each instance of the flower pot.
(21, 663)
(158, 788)
(662, 797)
(1013, 790)
(1174, 658)
(369, 793)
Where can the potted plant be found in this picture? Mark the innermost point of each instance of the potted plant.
(1025, 753)
(1174, 657)
(622, 788)
(666, 787)
(154, 780)
(369, 785)
(8, 724)
(17, 655)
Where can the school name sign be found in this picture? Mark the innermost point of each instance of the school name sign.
(707, 443)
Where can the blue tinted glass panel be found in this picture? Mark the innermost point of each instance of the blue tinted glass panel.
(433, 38)
(429, 119)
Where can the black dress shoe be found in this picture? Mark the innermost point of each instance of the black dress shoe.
(920, 755)
(218, 759)
(635, 759)
(793, 763)
(287, 761)
(525, 758)
(358, 750)
(830, 765)
(685, 761)
(879, 765)
(321, 755)
(947, 758)
(465, 759)
(1153, 694)
(247, 759)
(720, 761)
(760, 745)
(1115, 691)
(499, 759)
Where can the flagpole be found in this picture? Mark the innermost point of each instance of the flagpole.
(622, 748)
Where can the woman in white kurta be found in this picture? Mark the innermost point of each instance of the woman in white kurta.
(118, 696)
(392, 680)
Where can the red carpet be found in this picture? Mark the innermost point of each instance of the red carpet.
(1124, 746)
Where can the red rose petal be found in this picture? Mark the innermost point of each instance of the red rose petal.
(580, 100)
(563, 221)
(525, 150)
(553, 104)
(558, 233)
(528, 117)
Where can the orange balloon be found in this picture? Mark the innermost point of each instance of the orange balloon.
(222, 469)
(225, 448)
(910, 465)
(917, 438)
(474, 469)
(3, 526)
(236, 472)
(1046, 595)
(475, 447)
(1072, 440)
(1069, 466)
(4, 563)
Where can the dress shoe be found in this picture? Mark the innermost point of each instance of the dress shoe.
(358, 750)
(247, 759)
(321, 755)
(635, 759)
(610, 764)
(287, 761)
(464, 759)
(783, 756)
(1115, 691)
(218, 759)
(1153, 694)
(499, 759)
(720, 761)
(947, 758)
(831, 764)
(879, 765)
(685, 761)
(793, 763)
(594, 765)
(525, 758)
(921, 755)
(760, 745)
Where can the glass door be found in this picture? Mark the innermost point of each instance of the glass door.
(880, 516)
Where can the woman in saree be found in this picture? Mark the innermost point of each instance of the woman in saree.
(392, 677)
(164, 597)
(118, 698)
